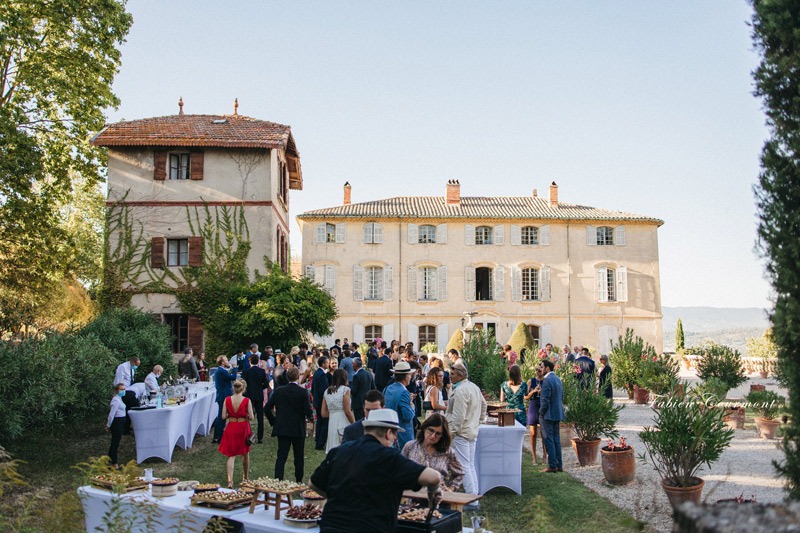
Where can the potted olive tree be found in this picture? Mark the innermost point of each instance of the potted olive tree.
(687, 434)
(626, 360)
(591, 415)
(768, 404)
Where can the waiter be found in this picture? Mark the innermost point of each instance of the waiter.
(125, 374)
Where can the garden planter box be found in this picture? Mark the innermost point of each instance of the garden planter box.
(755, 388)
(619, 466)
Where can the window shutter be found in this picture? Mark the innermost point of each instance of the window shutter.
(195, 251)
(516, 235)
(469, 234)
(442, 283)
(388, 281)
(499, 234)
(413, 334)
(412, 284)
(421, 284)
(358, 283)
(622, 284)
(320, 232)
(546, 332)
(319, 275)
(330, 279)
(606, 334)
(619, 236)
(516, 283)
(194, 333)
(159, 165)
(602, 284)
(310, 272)
(157, 252)
(544, 235)
(499, 293)
(196, 165)
(358, 333)
(544, 284)
(377, 233)
(469, 284)
(388, 333)
(441, 234)
(413, 234)
(368, 233)
(442, 336)
(591, 235)
(340, 232)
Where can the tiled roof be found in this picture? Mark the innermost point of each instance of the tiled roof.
(474, 207)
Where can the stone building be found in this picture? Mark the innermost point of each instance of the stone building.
(415, 267)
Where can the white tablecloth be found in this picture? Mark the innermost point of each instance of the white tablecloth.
(498, 457)
(158, 431)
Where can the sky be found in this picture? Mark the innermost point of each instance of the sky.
(637, 106)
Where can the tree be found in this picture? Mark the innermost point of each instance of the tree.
(776, 35)
(679, 339)
(522, 338)
(456, 341)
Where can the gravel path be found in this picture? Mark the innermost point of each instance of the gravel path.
(744, 468)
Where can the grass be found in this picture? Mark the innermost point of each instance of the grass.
(549, 502)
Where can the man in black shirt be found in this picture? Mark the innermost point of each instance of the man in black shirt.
(364, 480)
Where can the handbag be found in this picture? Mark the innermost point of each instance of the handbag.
(250, 439)
(427, 406)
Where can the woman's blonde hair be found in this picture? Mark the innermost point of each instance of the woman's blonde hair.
(239, 386)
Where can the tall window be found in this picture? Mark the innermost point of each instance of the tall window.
(179, 166)
(177, 252)
(530, 283)
(611, 285)
(605, 236)
(483, 235)
(179, 327)
(427, 334)
(483, 283)
(330, 233)
(530, 235)
(373, 276)
(427, 234)
(429, 284)
(372, 332)
(534, 331)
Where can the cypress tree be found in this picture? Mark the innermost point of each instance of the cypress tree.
(679, 340)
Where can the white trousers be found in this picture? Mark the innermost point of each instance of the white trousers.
(465, 451)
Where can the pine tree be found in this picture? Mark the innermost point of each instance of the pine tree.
(679, 340)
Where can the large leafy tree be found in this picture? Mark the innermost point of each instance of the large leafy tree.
(58, 59)
(776, 34)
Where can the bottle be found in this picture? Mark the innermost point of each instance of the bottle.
(159, 403)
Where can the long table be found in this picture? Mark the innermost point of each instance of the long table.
(158, 431)
(498, 457)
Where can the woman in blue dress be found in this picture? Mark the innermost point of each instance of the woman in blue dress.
(534, 391)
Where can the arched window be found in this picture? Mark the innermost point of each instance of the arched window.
(427, 334)
(372, 332)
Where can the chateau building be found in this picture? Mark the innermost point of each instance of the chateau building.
(184, 189)
(416, 268)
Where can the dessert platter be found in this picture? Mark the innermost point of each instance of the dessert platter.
(165, 487)
(118, 481)
(306, 515)
(222, 500)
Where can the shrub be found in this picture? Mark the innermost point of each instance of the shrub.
(626, 358)
(721, 362)
(766, 403)
(590, 413)
(711, 391)
(456, 341)
(486, 368)
(522, 338)
(659, 373)
(429, 348)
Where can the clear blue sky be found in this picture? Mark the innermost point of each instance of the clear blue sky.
(634, 106)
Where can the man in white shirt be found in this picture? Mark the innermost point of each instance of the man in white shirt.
(151, 381)
(126, 374)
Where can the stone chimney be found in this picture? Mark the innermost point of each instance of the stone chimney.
(553, 195)
(453, 193)
(347, 193)
(535, 193)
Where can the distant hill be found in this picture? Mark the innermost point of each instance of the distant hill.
(725, 325)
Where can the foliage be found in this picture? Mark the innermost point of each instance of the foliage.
(659, 373)
(486, 368)
(679, 338)
(591, 414)
(721, 362)
(522, 338)
(711, 391)
(456, 341)
(429, 348)
(686, 435)
(763, 347)
(626, 357)
(766, 403)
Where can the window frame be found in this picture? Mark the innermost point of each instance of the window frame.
(429, 289)
(525, 236)
(479, 286)
(330, 233)
(426, 234)
(179, 330)
(373, 287)
(484, 235)
(533, 281)
(426, 334)
(605, 236)
(179, 172)
(181, 256)
(372, 332)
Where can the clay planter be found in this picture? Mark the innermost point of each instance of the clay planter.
(630, 393)
(679, 391)
(734, 417)
(754, 388)
(565, 431)
(678, 495)
(767, 427)
(619, 466)
(763, 375)
(640, 395)
(586, 450)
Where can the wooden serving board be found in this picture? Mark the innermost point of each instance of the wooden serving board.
(109, 485)
(273, 491)
(225, 505)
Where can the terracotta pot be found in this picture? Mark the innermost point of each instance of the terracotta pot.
(565, 430)
(586, 450)
(734, 417)
(678, 495)
(763, 375)
(679, 391)
(640, 395)
(630, 393)
(754, 388)
(619, 467)
(767, 427)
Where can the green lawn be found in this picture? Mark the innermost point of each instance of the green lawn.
(549, 502)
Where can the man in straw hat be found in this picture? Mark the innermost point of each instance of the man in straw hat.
(364, 480)
(399, 400)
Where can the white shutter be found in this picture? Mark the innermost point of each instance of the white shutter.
(442, 279)
(544, 235)
(516, 283)
(377, 233)
(499, 234)
(340, 232)
(442, 336)
(591, 235)
(368, 233)
(441, 234)
(469, 234)
(619, 236)
(388, 281)
(469, 284)
(499, 293)
(321, 232)
(516, 235)
(546, 332)
(412, 284)
(606, 334)
(622, 284)
(319, 275)
(413, 234)
(310, 272)
(602, 284)
(358, 333)
(420, 284)
(388, 333)
(358, 283)
(544, 284)
(413, 334)
(330, 279)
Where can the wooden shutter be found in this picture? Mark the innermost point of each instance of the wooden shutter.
(320, 232)
(412, 284)
(160, 165)
(319, 275)
(358, 283)
(196, 165)
(369, 234)
(421, 283)
(516, 284)
(619, 236)
(546, 332)
(602, 284)
(388, 333)
(330, 279)
(499, 234)
(413, 334)
(441, 234)
(194, 335)
(499, 293)
(544, 284)
(622, 284)
(377, 233)
(544, 235)
(591, 235)
(195, 251)
(469, 234)
(388, 282)
(358, 333)
(442, 336)
(442, 279)
(516, 235)
(341, 228)
(413, 234)
(157, 259)
(469, 284)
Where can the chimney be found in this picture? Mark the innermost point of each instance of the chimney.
(553, 195)
(535, 193)
(453, 193)
(180, 105)
(347, 193)
(236, 106)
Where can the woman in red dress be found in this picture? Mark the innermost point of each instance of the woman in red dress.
(238, 411)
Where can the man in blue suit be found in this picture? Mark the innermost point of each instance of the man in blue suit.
(319, 383)
(363, 382)
(383, 371)
(223, 382)
(551, 413)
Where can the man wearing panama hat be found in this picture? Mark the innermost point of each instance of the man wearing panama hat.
(399, 400)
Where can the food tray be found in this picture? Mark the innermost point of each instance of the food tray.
(110, 485)
(264, 488)
(303, 524)
(450, 522)
(227, 505)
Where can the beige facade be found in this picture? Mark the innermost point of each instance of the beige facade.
(412, 268)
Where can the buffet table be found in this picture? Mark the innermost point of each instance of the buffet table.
(498, 457)
(158, 431)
